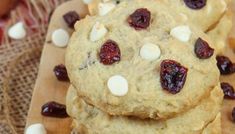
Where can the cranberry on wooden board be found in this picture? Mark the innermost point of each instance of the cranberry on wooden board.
(54, 109)
(202, 49)
(225, 65)
(173, 76)
(140, 19)
(195, 4)
(109, 53)
(228, 90)
(71, 18)
(61, 73)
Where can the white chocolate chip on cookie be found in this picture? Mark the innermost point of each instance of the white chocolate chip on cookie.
(182, 33)
(36, 129)
(17, 31)
(105, 8)
(150, 51)
(118, 85)
(60, 38)
(98, 31)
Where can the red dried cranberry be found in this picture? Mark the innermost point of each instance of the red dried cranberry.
(233, 114)
(173, 76)
(54, 109)
(61, 73)
(228, 90)
(140, 19)
(109, 53)
(225, 65)
(195, 4)
(71, 18)
(202, 49)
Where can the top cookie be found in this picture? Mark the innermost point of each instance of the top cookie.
(202, 13)
(146, 63)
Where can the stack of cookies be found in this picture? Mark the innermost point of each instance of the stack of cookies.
(147, 66)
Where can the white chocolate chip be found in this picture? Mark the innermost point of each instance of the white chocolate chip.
(118, 85)
(87, 1)
(105, 8)
(150, 51)
(98, 31)
(182, 33)
(60, 38)
(36, 129)
(17, 31)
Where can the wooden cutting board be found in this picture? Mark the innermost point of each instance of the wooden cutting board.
(48, 88)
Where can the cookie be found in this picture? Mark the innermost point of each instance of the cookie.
(90, 120)
(207, 12)
(220, 33)
(156, 68)
(214, 127)
(214, 17)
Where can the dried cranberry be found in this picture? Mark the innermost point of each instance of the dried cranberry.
(225, 65)
(233, 114)
(71, 18)
(109, 53)
(54, 109)
(173, 76)
(195, 4)
(61, 73)
(228, 90)
(140, 19)
(202, 49)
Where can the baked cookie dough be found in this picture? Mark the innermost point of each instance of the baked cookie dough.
(202, 119)
(214, 127)
(214, 12)
(204, 17)
(122, 68)
(220, 33)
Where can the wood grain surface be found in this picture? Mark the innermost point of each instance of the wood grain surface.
(48, 88)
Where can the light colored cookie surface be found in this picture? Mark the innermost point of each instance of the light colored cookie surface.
(220, 33)
(90, 120)
(214, 127)
(213, 12)
(203, 18)
(145, 96)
